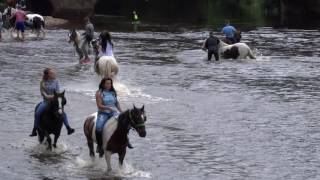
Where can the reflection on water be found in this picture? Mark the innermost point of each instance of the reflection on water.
(246, 119)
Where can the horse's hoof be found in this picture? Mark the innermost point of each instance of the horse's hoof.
(92, 154)
(55, 146)
(109, 170)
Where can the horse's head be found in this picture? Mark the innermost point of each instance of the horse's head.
(73, 36)
(137, 119)
(59, 101)
(8, 11)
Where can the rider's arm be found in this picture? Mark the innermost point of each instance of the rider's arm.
(43, 92)
(118, 106)
(100, 103)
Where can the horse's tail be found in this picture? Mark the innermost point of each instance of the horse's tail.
(88, 127)
(43, 23)
(107, 66)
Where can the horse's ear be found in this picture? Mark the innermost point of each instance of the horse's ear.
(54, 93)
(142, 109)
(63, 92)
(134, 107)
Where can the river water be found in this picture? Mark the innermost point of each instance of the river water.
(244, 119)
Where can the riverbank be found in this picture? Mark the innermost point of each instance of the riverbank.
(52, 22)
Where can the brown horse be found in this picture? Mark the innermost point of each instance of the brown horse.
(115, 131)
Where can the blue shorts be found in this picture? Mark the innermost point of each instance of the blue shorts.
(20, 26)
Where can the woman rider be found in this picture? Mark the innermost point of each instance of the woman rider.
(108, 106)
(48, 86)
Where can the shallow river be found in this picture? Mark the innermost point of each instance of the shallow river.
(244, 119)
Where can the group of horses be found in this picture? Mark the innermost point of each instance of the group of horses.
(34, 21)
(115, 131)
(105, 66)
(114, 134)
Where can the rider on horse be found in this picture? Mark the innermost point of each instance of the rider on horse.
(108, 106)
(229, 31)
(88, 36)
(48, 86)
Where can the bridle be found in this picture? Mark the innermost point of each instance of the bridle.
(134, 124)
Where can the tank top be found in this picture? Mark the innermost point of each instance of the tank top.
(108, 99)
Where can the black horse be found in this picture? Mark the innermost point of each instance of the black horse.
(52, 119)
(115, 132)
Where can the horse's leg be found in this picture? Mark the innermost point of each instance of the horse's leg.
(250, 54)
(56, 136)
(91, 147)
(122, 154)
(49, 142)
(108, 159)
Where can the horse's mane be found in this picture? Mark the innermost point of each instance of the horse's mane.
(123, 118)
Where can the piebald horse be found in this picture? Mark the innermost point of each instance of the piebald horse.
(37, 23)
(235, 51)
(115, 131)
(8, 13)
(75, 37)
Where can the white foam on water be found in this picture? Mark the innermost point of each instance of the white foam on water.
(99, 164)
(129, 171)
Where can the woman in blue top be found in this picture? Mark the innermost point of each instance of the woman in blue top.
(48, 85)
(108, 106)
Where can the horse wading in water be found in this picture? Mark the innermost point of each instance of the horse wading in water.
(115, 131)
(75, 37)
(52, 119)
(37, 23)
(8, 13)
(105, 66)
(235, 51)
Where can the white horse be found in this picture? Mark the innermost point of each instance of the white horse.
(235, 51)
(106, 66)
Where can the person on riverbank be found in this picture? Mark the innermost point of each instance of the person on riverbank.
(48, 85)
(135, 21)
(87, 36)
(211, 45)
(229, 31)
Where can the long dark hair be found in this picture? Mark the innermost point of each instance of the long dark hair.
(45, 75)
(101, 85)
(105, 37)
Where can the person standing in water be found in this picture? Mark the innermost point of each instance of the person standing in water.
(87, 36)
(211, 45)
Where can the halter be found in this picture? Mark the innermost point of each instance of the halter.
(133, 123)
